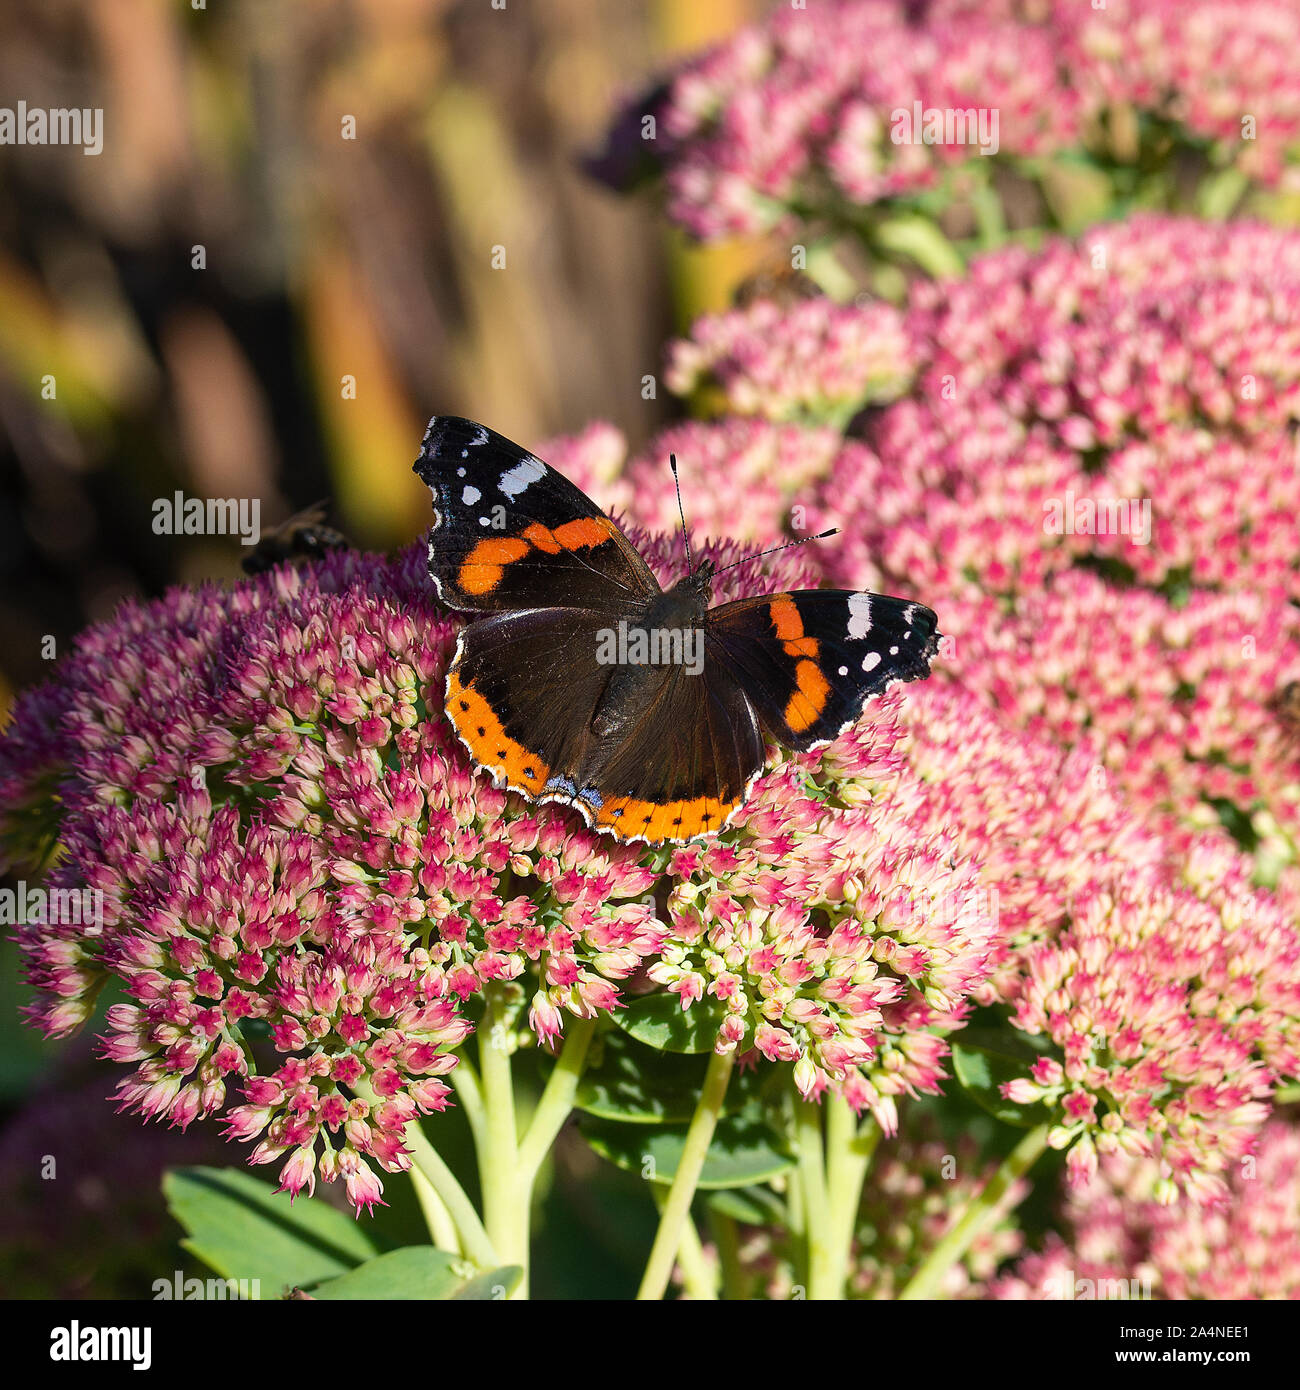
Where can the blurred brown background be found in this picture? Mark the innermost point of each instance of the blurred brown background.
(322, 257)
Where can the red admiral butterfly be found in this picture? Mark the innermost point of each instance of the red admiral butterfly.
(556, 691)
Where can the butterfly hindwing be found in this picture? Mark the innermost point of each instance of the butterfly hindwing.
(684, 763)
(809, 660)
(510, 532)
(664, 755)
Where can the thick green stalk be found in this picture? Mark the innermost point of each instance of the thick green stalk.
(980, 1213)
(464, 1081)
(442, 1229)
(505, 1198)
(699, 1136)
(556, 1103)
(812, 1175)
(699, 1279)
(848, 1156)
(429, 1165)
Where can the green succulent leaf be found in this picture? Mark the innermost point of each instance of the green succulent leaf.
(242, 1228)
(745, 1149)
(981, 1071)
(659, 1021)
(636, 1084)
(419, 1272)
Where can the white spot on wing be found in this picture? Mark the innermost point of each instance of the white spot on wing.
(844, 670)
(871, 661)
(859, 615)
(470, 495)
(515, 480)
(485, 521)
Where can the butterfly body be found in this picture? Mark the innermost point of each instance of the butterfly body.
(580, 680)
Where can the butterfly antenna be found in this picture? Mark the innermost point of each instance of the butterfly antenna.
(820, 536)
(677, 482)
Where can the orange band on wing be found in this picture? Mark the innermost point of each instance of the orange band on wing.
(788, 625)
(655, 821)
(543, 538)
(804, 708)
(584, 532)
(477, 723)
(481, 570)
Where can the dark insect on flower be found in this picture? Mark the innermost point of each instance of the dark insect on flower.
(303, 536)
(1286, 704)
(781, 284)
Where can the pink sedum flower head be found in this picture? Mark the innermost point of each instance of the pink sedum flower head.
(302, 882)
(800, 112)
(1091, 477)
(817, 361)
(1122, 1230)
(812, 114)
(305, 887)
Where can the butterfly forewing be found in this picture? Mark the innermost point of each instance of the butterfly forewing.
(809, 660)
(510, 532)
(644, 749)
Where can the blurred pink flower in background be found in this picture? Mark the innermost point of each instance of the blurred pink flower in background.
(794, 120)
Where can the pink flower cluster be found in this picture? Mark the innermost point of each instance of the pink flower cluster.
(1122, 1243)
(1161, 990)
(797, 117)
(740, 478)
(301, 879)
(1091, 479)
(797, 114)
(304, 885)
(1206, 66)
(818, 360)
(831, 936)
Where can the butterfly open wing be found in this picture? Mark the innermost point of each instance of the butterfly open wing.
(524, 694)
(509, 532)
(809, 660)
(646, 753)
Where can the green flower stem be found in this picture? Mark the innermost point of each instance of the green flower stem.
(556, 1103)
(464, 1081)
(699, 1281)
(848, 1156)
(699, 1136)
(981, 1212)
(727, 1239)
(429, 1165)
(437, 1218)
(812, 1176)
(505, 1197)
(1286, 1095)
